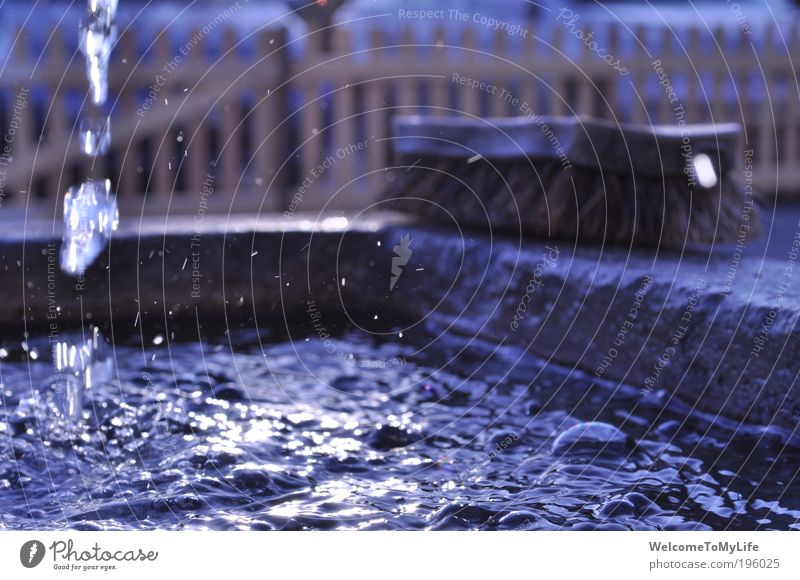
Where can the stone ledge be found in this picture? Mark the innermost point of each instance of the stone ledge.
(688, 331)
(263, 271)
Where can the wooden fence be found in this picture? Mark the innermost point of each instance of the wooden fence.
(266, 131)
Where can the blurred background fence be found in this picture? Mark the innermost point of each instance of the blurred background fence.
(273, 127)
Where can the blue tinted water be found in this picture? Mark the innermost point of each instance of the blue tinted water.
(352, 434)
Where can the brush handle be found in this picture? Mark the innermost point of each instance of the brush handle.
(460, 137)
(653, 150)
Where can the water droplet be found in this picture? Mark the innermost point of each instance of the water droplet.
(95, 135)
(97, 38)
(158, 339)
(90, 215)
(592, 438)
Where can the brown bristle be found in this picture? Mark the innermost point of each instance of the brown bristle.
(540, 197)
(622, 184)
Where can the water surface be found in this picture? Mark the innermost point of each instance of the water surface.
(351, 433)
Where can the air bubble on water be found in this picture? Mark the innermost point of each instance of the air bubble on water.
(90, 215)
(95, 135)
(81, 363)
(591, 437)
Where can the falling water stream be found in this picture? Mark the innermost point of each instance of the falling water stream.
(90, 209)
(90, 215)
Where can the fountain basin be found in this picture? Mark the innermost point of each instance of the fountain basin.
(693, 325)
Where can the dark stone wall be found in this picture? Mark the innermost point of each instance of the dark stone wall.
(692, 324)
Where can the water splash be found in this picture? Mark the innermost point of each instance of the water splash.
(80, 364)
(95, 135)
(90, 215)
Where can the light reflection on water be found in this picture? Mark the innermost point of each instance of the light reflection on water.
(258, 443)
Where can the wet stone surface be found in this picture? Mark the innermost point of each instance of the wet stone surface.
(288, 435)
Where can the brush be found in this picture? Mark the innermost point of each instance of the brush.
(575, 178)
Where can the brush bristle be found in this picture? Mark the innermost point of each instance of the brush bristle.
(542, 197)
